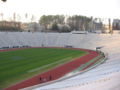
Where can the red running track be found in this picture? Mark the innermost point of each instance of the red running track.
(56, 72)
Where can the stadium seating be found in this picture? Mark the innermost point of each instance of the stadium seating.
(103, 75)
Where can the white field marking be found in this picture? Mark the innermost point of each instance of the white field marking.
(36, 69)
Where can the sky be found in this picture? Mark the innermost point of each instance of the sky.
(37, 8)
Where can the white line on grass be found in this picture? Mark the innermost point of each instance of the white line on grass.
(39, 68)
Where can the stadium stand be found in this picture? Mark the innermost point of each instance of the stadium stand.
(103, 77)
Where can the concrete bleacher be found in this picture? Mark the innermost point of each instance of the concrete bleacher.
(103, 77)
(47, 39)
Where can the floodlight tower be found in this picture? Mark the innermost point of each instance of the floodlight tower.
(110, 27)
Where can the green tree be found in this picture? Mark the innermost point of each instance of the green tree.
(54, 27)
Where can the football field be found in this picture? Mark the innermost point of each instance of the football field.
(18, 65)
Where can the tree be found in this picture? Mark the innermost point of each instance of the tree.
(49, 20)
(46, 20)
(54, 27)
(75, 22)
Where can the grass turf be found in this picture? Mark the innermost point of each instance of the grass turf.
(21, 64)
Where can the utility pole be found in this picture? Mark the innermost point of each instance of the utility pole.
(110, 27)
(14, 19)
(26, 17)
(1, 16)
(32, 18)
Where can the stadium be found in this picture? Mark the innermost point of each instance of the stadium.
(101, 73)
(59, 45)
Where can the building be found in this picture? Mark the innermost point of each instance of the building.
(32, 27)
(116, 24)
(10, 26)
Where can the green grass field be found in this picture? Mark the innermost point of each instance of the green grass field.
(19, 65)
